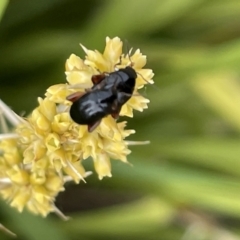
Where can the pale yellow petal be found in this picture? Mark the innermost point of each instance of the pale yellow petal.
(113, 50)
(102, 165)
(52, 142)
(74, 62)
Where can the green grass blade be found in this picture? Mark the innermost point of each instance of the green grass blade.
(3, 6)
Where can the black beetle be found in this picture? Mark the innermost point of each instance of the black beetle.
(107, 96)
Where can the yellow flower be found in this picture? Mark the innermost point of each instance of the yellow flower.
(23, 187)
(79, 71)
(49, 134)
(107, 141)
(47, 148)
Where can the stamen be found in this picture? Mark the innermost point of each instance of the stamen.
(8, 136)
(6, 230)
(9, 114)
(5, 180)
(27, 166)
(4, 185)
(72, 141)
(67, 179)
(61, 108)
(3, 123)
(75, 171)
(130, 143)
(88, 174)
(60, 214)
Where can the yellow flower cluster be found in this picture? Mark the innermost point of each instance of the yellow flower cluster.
(49, 147)
(23, 186)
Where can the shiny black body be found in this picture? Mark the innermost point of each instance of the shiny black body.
(122, 80)
(107, 96)
(92, 106)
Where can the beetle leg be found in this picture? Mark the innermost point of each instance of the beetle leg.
(93, 126)
(115, 115)
(88, 90)
(98, 78)
(75, 96)
(116, 109)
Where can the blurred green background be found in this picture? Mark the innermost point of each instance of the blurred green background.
(185, 185)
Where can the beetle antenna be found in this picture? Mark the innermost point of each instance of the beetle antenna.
(128, 52)
(132, 63)
(143, 78)
(119, 63)
(147, 81)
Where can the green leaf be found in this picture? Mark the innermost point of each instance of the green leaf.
(221, 91)
(140, 217)
(3, 6)
(184, 186)
(28, 226)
